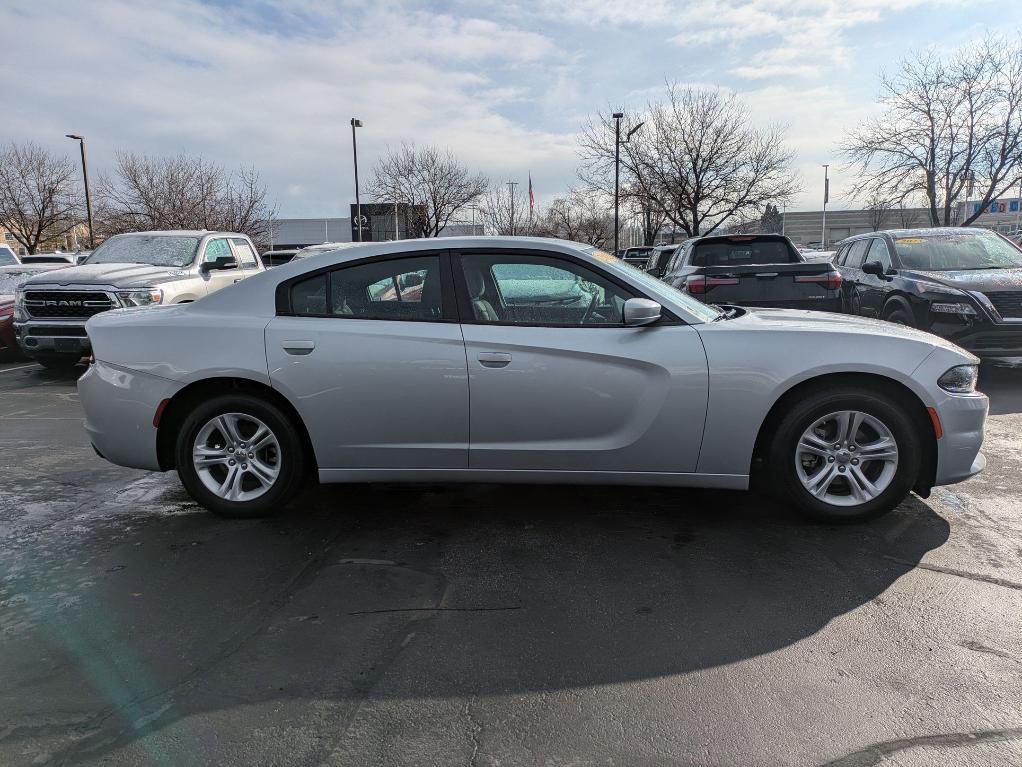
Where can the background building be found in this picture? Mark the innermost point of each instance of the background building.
(300, 232)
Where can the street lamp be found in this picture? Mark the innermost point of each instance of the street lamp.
(826, 198)
(617, 167)
(356, 123)
(88, 196)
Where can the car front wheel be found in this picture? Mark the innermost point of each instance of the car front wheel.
(240, 456)
(845, 455)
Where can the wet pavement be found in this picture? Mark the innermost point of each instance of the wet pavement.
(497, 625)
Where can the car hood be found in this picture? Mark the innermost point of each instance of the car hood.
(826, 322)
(118, 275)
(978, 280)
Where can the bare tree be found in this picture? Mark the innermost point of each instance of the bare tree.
(505, 211)
(948, 126)
(580, 216)
(878, 207)
(39, 198)
(432, 181)
(697, 158)
(181, 192)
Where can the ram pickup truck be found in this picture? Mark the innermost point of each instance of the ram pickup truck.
(753, 270)
(128, 270)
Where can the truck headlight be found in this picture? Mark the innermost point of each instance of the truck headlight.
(144, 297)
(954, 308)
(960, 379)
(20, 315)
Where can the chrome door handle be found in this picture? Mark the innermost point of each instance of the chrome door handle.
(494, 359)
(298, 347)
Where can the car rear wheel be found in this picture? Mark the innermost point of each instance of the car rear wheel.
(845, 455)
(240, 456)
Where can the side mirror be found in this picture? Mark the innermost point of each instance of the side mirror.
(873, 267)
(220, 263)
(641, 311)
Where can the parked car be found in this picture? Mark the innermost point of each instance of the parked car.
(637, 256)
(49, 258)
(962, 284)
(659, 258)
(522, 360)
(7, 256)
(10, 278)
(325, 247)
(139, 269)
(753, 270)
(278, 257)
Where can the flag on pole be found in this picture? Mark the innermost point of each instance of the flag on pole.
(532, 197)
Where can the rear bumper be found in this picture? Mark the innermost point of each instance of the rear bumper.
(119, 407)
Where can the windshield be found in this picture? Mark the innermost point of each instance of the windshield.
(965, 250)
(703, 311)
(7, 257)
(154, 249)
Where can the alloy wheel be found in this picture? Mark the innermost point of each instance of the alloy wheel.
(236, 456)
(846, 458)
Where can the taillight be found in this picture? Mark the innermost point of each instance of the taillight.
(699, 284)
(831, 280)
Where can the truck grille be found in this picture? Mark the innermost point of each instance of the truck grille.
(1008, 303)
(67, 304)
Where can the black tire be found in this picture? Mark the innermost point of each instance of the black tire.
(60, 363)
(291, 456)
(802, 414)
(900, 316)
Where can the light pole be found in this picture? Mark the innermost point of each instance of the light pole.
(826, 197)
(356, 123)
(88, 196)
(617, 166)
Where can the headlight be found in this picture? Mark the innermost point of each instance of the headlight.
(145, 297)
(960, 379)
(956, 308)
(20, 315)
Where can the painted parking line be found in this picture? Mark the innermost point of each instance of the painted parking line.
(20, 367)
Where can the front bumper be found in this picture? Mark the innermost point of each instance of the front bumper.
(50, 337)
(119, 407)
(958, 450)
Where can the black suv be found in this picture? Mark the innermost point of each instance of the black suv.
(962, 284)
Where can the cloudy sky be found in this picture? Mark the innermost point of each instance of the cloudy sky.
(504, 83)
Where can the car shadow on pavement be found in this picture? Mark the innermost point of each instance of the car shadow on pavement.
(409, 592)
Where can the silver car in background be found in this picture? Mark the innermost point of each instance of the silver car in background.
(522, 360)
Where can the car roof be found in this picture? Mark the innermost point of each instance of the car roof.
(931, 231)
(182, 233)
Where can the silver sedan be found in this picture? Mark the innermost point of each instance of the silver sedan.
(522, 360)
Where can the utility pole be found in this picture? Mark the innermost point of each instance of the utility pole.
(88, 195)
(356, 123)
(511, 185)
(784, 213)
(826, 198)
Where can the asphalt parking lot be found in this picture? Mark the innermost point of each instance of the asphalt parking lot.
(497, 625)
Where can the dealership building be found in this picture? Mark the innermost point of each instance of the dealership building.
(806, 227)
(380, 222)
